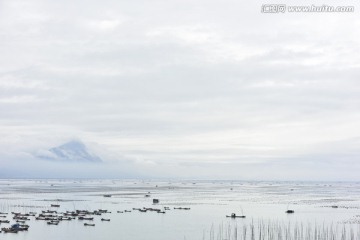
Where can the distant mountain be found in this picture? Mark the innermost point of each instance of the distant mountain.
(73, 151)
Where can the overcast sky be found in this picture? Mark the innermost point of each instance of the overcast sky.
(209, 89)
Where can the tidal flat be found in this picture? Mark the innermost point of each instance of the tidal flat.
(186, 209)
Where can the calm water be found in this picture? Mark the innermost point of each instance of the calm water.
(209, 203)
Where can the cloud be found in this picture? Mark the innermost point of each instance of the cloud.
(27, 165)
(193, 85)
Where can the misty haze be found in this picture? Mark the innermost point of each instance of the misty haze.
(179, 120)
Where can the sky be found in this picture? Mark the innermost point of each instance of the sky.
(203, 89)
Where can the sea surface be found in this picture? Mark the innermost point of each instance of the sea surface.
(314, 203)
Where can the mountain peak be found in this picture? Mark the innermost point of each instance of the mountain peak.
(73, 144)
(72, 151)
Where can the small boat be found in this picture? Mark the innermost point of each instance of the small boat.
(233, 215)
(49, 211)
(152, 209)
(105, 219)
(19, 227)
(15, 228)
(86, 218)
(182, 208)
(290, 211)
(89, 224)
(9, 230)
(52, 223)
(103, 211)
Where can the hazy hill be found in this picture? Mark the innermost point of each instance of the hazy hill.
(73, 151)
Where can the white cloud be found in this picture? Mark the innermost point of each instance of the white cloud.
(194, 85)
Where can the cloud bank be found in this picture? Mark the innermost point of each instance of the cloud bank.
(186, 89)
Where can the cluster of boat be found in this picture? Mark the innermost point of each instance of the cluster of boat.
(54, 218)
(51, 218)
(158, 210)
(19, 225)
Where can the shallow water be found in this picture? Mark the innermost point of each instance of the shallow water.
(209, 203)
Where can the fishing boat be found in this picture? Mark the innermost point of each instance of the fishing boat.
(9, 230)
(89, 224)
(52, 223)
(19, 227)
(233, 215)
(182, 208)
(86, 218)
(15, 228)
